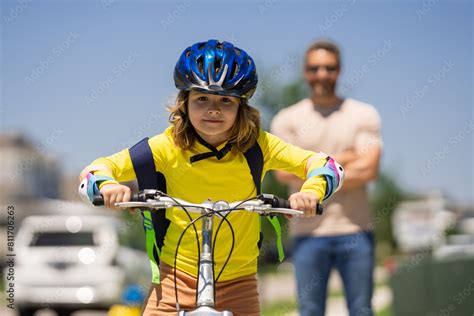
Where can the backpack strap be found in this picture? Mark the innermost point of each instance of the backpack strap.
(143, 164)
(155, 224)
(254, 157)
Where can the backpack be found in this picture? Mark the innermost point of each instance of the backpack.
(156, 224)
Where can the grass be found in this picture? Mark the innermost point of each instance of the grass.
(282, 308)
(279, 308)
(265, 270)
(387, 311)
(286, 307)
(340, 292)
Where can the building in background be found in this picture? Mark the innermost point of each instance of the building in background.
(420, 225)
(27, 170)
(29, 180)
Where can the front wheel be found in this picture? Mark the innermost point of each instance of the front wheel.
(63, 312)
(26, 311)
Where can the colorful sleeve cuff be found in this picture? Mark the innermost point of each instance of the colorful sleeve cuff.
(332, 172)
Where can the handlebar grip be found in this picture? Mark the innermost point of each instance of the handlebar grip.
(283, 203)
(319, 209)
(99, 199)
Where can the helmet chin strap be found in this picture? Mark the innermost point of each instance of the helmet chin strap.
(219, 154)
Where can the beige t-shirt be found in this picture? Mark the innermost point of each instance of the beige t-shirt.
(351, 125)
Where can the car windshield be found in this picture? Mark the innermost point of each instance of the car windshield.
(45, 239)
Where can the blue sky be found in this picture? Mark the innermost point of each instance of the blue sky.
(87, 78)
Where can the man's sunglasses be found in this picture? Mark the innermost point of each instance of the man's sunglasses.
(315, 68)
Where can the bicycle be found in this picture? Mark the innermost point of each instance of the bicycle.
(264, 204)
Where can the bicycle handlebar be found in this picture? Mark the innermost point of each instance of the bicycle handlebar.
(262, 204)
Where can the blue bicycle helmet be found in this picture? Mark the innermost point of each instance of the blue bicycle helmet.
(216, 67)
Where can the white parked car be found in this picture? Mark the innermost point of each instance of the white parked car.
(67, 263)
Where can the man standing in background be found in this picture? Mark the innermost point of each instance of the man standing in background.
(342, 237)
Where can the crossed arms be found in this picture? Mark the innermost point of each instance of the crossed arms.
(360, 168)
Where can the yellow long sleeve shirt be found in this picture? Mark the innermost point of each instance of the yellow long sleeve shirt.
(226, 179)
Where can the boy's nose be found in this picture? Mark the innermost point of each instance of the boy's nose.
(213, 111)
(213, 108)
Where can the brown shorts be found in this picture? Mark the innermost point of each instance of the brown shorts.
(240, 296)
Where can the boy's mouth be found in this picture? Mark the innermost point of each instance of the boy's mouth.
(213, 121)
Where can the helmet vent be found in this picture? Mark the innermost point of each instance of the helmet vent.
(217, 65)
(200, 63)
(235, 70)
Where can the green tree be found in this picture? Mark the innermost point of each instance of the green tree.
(274, 97)
(384, 199)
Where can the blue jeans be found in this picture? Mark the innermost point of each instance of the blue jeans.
(352, 255)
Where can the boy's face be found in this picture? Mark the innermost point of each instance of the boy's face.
(212, 115)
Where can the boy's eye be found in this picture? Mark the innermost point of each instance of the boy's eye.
(226, 100)
(202, 99)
